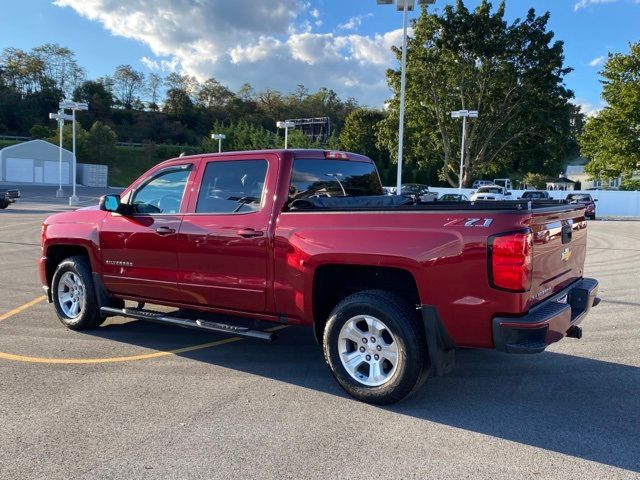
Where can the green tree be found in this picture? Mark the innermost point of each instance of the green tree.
(67, 140)
(101, 144)
(512, 73)
(358, 133)
(60, 65)
(611, 138)
(127, 85)
(240, 136)
(40, 132)
(537, 181)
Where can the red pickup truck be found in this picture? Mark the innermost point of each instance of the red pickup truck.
(305, 237)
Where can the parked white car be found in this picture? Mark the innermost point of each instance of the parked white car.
(491, 192)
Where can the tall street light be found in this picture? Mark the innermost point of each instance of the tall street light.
(464, 114)
(286, 125)
(60, 117)
(74, 106)
(220, 137)
(404, 6)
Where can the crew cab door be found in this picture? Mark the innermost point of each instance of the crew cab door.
(140, 247)
(224, 238)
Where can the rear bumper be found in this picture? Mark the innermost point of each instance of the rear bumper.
(547, 322)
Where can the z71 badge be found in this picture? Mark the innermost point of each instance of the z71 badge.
(470, 222)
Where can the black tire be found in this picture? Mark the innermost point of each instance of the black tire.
(4, 205)
(400, 318)
(89, 315)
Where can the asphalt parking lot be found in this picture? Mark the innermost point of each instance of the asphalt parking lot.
(133, 400)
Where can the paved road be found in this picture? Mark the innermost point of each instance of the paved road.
(113, 404)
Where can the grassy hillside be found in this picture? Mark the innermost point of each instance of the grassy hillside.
(131, 162)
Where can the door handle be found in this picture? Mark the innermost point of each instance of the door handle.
(250, 233)
(165, 231)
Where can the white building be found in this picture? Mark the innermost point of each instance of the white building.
(577, 174)
(35, 162)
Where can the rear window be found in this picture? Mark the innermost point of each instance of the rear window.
(333, 178)
(496, 190)
(535, 195)
(577, 197)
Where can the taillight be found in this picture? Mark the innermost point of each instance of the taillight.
(336, 155)
(510, 261)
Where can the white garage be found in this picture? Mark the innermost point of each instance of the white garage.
(35, 162)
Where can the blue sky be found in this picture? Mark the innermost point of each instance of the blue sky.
(280, 43)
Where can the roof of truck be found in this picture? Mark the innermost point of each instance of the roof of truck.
(297, 153)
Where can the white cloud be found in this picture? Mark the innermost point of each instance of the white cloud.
(588, 108)
(596, 61)
(265, 42)
(354, 22)
(586, 3)
(160, 65)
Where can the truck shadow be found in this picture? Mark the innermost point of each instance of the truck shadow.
(576, 406)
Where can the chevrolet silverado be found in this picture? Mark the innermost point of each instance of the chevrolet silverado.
(390, 286)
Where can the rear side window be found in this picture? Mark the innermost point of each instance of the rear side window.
(232, 187)
(333, 178)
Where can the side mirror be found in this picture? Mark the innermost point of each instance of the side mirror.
(595, 199)
(110, 203)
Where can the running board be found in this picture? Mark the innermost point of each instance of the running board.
(210, 326)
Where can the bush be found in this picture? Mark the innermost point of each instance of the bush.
(630, 185)
(40, 132)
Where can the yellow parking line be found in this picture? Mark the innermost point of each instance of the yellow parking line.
(131, 358)
(22, 308)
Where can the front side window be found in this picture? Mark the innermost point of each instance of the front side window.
(333, 178)
(163, 194)
(232, 187)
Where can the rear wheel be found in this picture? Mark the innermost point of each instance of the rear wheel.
(74, 296)
(375, 347)
(3, 204)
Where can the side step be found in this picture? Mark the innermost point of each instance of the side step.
(210, 326)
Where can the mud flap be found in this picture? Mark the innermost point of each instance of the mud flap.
(441, 347)
(103, 298)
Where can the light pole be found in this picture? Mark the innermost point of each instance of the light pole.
(286, 125)
(405, 6)
(464, 114)
(220, 137)
(60, 117)
(74, 106)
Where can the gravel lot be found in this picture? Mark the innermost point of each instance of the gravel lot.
(114, 404)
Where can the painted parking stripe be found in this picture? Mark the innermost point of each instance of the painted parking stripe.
(130, 358)
(22, 308)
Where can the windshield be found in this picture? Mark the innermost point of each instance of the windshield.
(333, 178)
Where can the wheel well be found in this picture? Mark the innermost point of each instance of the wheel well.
(57, 253)
(332, 283)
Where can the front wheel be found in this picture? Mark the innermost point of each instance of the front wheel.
(3, 204)
(375, 347)
(73, 294)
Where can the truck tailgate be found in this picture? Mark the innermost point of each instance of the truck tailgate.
(559, 249)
